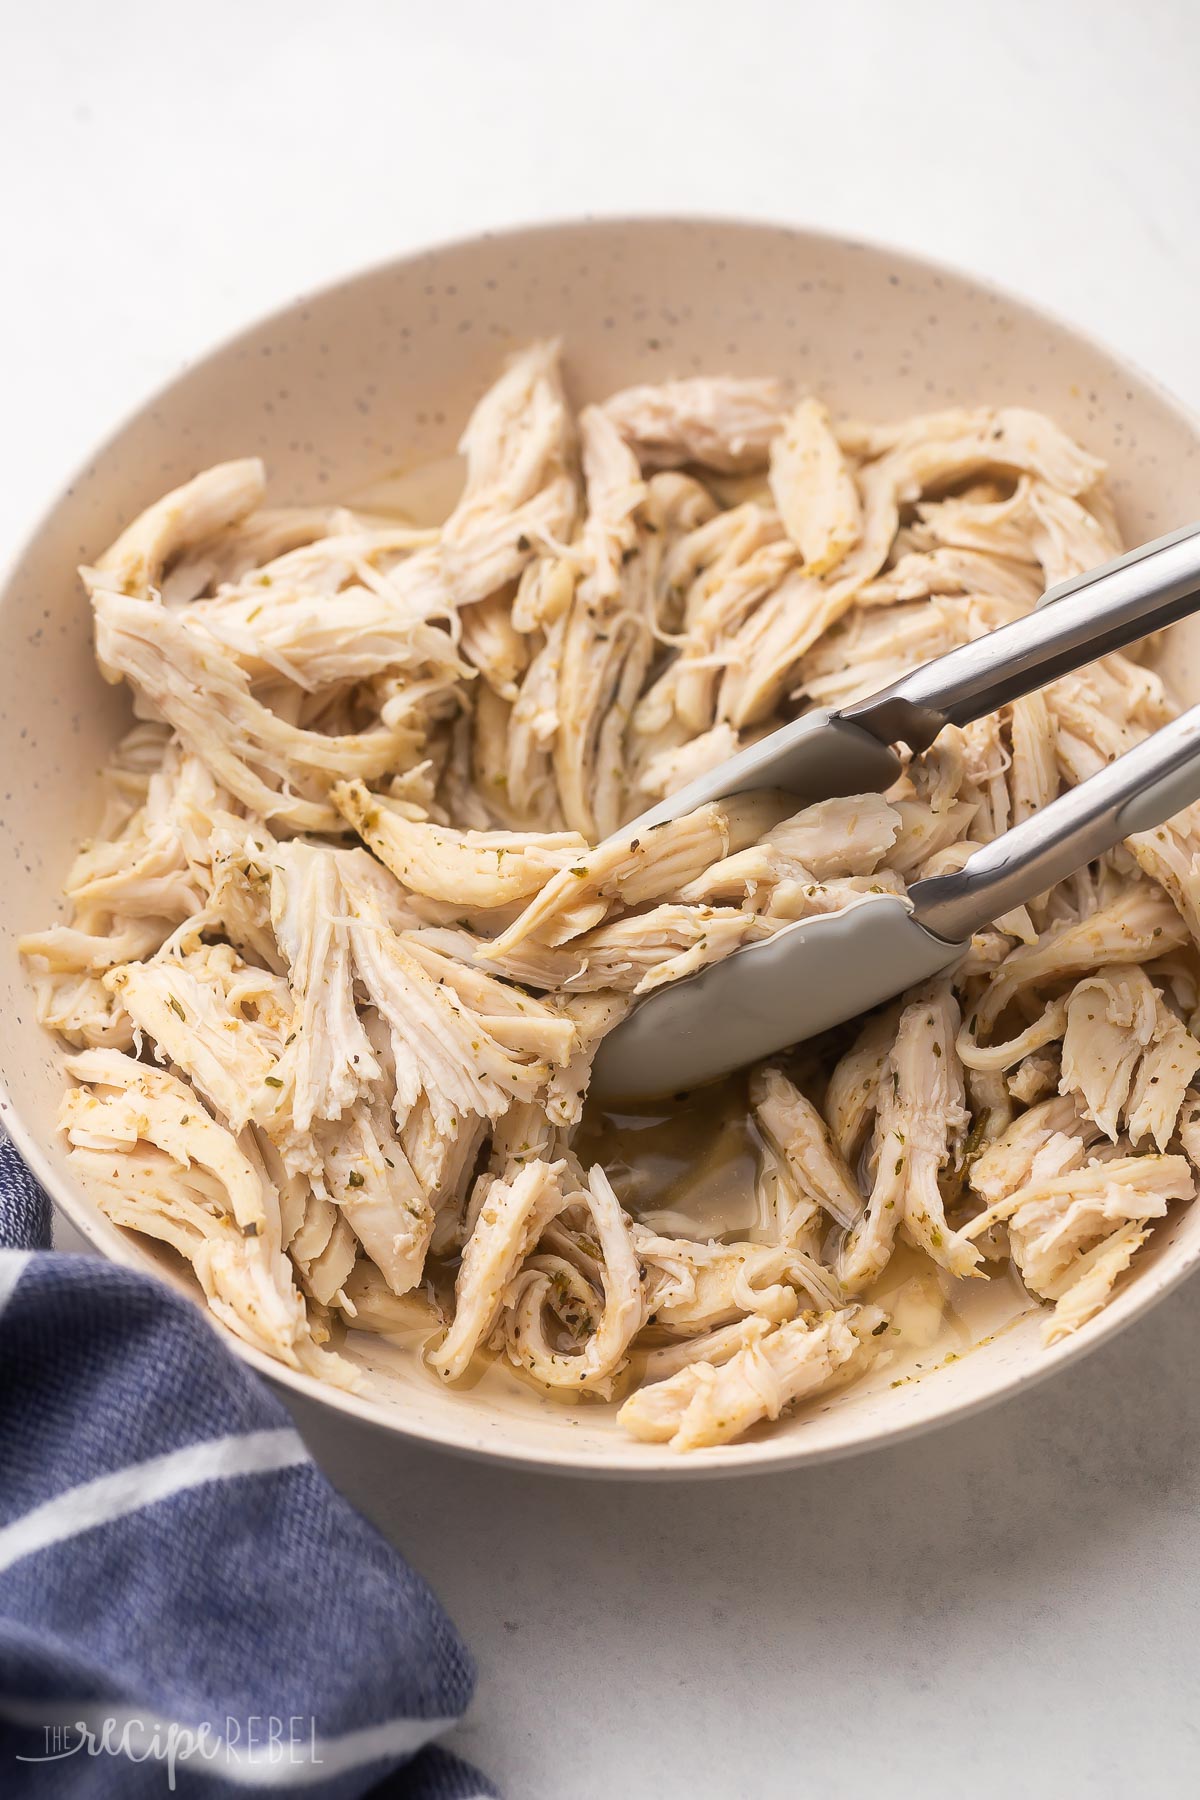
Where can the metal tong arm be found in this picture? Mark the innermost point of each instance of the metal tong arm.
(1151, 782)
(1090, 616)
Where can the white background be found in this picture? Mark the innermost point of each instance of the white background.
(1010, 1607)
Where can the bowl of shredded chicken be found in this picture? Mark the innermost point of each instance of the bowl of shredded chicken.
(359, 900)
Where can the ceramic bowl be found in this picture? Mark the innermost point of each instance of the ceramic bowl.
(376, 375)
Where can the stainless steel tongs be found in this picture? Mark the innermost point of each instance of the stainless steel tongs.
(818, 971)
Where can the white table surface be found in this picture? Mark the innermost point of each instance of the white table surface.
(1008, 1607)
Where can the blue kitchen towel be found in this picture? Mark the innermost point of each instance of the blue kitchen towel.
(186, 1605)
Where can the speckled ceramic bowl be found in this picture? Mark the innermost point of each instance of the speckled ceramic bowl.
(376, 374)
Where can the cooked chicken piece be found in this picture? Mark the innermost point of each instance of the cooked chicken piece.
(220, 497)
(170, 1171)
(68, 950)
(635, 953)
(699, 1286)
(1127, 1055)
(468, 868)
(944, 449)
(365, 1171)
(306, 1218)
(925, 832)
(332, 1062)
(669, 770)
(513, 1217)
(1097, 719)
(518, 494)
(923, 574)
(442, 1163)
(1034, 1077)
(148, 1104)
(704, 1405)
(145, 867)
(592, 1016)
(1170, 855)
(1093, 725)
(674, 510)
(839, 837)
(544, 593)
(1092, 1279)
(985, 764)
(1140, 924)
(982, 519)
(796, 1131)
(1016, 923)
(714, 1348)
(1043, 1156)
(491, 643)
(322, 1250)
(1177, 978)
(1111, 1018)
(779, 889)
(462, 1062)
(1112, 695)
(495, 551)
(607, 640)
(723, 421)
(1053, 1220)
(333, 612)
(238, 908)
(1047, 1028)
(142, 870)
(515, 1019)
(81, 1009)
(852, 1096)
(525, 1134)
(703, 570)
(615, 492)
(813, 488)
(750, 877)
(473, 788)
(1033, 776)
(802, 899)
(869, 650)
(549, 1288)
(188, 680)
(918, 1128)
(220, 1021)
(951, 445)
(1052, 1135)
(265, 536)
(782, 1211)
(743, 639)
(630, 870)
(150, 1193)
(1067, 539)
(527, 781)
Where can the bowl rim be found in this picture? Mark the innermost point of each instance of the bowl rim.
(758, 1456)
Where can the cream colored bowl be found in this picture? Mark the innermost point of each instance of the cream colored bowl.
(375, 375)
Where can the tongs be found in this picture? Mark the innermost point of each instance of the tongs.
(818, 971)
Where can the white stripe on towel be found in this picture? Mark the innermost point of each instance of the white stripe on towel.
(141, 1484)
(13, 1264)
(326, 1757)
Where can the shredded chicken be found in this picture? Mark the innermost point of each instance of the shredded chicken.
(710, 1404)
(368, 892)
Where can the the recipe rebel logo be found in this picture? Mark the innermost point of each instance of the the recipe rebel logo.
(257, 1743)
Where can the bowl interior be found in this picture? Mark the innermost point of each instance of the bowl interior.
(374, 377)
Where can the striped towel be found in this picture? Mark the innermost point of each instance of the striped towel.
(185, 1603)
